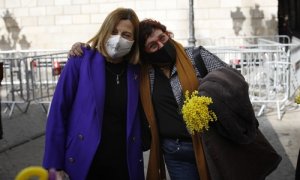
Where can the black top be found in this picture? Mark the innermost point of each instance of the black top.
(170, 120)
(110, 159)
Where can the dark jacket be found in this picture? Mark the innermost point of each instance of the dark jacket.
(234, 147)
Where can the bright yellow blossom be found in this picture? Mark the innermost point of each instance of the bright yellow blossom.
(297, 98)
(196, 113)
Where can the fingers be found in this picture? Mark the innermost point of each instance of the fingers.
(76, 49)
(61, 175)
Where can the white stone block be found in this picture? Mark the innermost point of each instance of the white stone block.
(55, 29)
(207, 4)
(35, 30)
(46, 20)
(28, 3)
(145, 5)
(62, 2)
(178, 14)
(63, 20)
(12, 3)
(247, 3)
(37, 11)
(97, 18)
(19, 12)
(183, 4)
(201, 13)
(100, 1)
(199, 24)
(165, 4)
(264, 3)
(176, 25)
(156, 14)
(45, 3)
(28, 21)
(73, 9)
(53, 10)
(107, 7)
(80, 1)
(2, 4)
(81, 19)
(127, 4)
(219, 13)
(90, 9)
(231, 3)
(81, 29)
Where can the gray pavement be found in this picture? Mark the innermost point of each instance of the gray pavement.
(23, 141)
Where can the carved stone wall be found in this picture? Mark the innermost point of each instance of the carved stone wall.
(12, 36)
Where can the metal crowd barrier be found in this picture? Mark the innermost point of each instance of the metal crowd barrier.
(244, 41)
(14, 90)
(266, 65)
(266, 71)
(45, 73)
(29, 76)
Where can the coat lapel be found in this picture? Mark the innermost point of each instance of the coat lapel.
(132, 96)
(97, 69)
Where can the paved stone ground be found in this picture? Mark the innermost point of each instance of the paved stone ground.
(23, 141)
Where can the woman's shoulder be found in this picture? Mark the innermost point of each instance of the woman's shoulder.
(88, 53)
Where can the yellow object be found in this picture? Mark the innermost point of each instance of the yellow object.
(297, 98)
(196, 113)
(33, 171)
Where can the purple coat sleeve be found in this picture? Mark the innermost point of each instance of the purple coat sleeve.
(59, 112)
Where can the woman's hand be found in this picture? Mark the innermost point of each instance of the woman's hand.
(76, 49)
(58, 175)
(61, 175)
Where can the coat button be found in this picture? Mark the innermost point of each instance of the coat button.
(133, 138)
(71, 160)
(141, 160)
(81, 137)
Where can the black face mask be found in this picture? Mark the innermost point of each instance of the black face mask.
(164, 56)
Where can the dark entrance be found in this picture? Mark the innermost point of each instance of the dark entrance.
(289, 17)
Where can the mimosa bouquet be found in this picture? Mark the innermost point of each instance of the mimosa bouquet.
(196, 112)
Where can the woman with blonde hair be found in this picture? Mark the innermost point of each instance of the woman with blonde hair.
(93, 129)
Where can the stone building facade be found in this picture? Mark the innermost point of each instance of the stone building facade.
(57, 24)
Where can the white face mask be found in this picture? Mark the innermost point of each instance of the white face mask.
(117, 46)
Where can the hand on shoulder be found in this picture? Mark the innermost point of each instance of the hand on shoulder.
(76, 49)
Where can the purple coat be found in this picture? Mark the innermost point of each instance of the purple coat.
(74, 124)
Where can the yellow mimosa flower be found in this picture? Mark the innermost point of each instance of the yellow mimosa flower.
(297, 98)
(196, 113)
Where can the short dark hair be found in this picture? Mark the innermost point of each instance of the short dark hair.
(147, 26)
